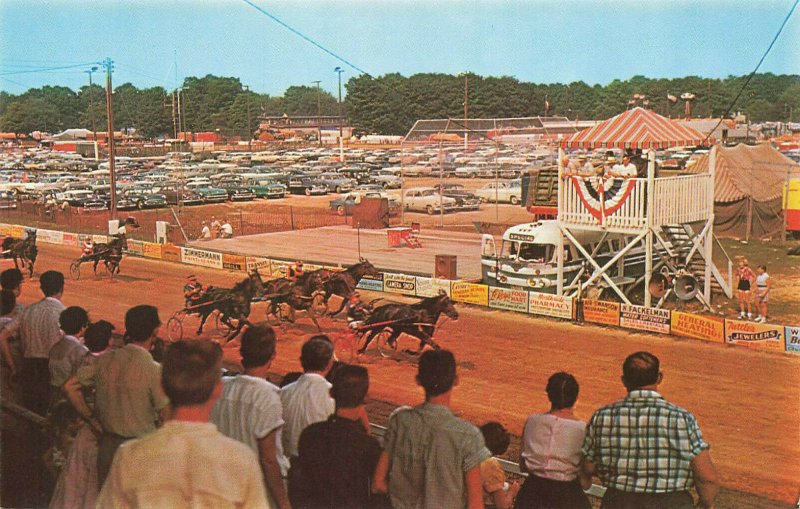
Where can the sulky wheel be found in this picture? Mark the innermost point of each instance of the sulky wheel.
(75, 269)
(175, 327)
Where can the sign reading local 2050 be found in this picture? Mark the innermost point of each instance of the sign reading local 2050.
(201, 257)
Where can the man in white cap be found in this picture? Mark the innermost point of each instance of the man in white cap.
(624, 170)
(586, 167)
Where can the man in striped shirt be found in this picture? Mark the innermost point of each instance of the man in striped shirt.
(38, 330)
(646, 451)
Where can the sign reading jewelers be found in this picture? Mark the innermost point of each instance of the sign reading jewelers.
(201, 257)
(642, 318)
(754, 335)
(547, 304)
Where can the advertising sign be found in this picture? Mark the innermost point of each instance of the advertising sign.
(233, 262)
(601, 311)
(258, 263)
(49, 236)
(754, 335)
(470, 293)
(645, 319)
(546, 304)
(505, 298)
(430, 287)
(16, 231)
(374, 283)
(151, 250)
(201, 257)
(5, 230)
(399, 283)
(278, 268)
(135, 247)
(171, 252)
(70, 239)
(103, 239)
(792, 335)
(707, 328)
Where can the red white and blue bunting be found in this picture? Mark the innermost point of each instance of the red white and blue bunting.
(603, 196)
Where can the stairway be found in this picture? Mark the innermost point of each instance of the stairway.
(679, 237)
(544, 187)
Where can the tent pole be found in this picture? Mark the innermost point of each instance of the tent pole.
(560, 247)
(749, 218)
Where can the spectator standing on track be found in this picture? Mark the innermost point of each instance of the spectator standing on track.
(551, 452)
(38, 330)
(187, 462)
(646, 451)
(432, 458)
(129, 399)
(11, 279)
(249, 410)
(67, 354)
(307, 400)
(337, 458)
(763, 285)
(746, 278)
(215, 226)
(205, 232)
(497, 493)
(226, 230)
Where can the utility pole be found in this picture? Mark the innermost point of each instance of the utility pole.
(174, 121)
(249, 131)
(109, 64)
(339, 70)
(91, 111)
(180, 116)
(466, 111)
(319, 128)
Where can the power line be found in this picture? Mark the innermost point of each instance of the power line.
(306, 38)
(47, 69)
(750, 77)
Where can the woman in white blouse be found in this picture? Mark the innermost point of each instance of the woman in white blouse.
(551, 452)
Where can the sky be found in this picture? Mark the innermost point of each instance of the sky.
(159, 42)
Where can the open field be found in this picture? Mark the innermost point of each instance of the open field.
(746, 401)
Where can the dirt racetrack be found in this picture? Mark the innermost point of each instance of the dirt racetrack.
(746, 402)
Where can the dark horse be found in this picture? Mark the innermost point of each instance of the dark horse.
(298, 296)
(417, 320)
(23, 249)
(110, 253)
(343, 284)
(231, 303)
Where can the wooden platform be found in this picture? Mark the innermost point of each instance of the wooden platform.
(333, 245)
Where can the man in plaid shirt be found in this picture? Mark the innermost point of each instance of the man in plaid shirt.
(646, 451)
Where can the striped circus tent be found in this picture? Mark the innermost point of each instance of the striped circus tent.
(637, 128)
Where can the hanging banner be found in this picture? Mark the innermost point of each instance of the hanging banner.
(49, 236)
(707, 328)
(373, 283)
(792, 335)
(644, 319)
(151, 250)
(135, 247)
(547, 304)
(754, 335)
(601, 311)
(278, 268)
(262, 265)
(201, 257)
(171, 252)
(469, 293)
(399, 283)
(505, 298)
(430, 287)
(70, 239)
(233, 262)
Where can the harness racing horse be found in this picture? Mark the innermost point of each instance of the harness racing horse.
(110, 253)
(231, 303)
(417, 320)
(23, 249)
(343, 284)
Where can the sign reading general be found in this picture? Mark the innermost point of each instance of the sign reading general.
(201, 257)
(547, 304)
(643, 318)
(505, 298)
(754, 335)
(400, 283)
(707, 328)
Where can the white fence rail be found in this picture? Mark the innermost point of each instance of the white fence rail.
(681, 200)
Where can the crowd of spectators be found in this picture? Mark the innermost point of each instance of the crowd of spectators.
(128, 431)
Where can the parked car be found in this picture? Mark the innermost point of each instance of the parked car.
(474, 170)
(236, 190)
(427, 199)
(266, 188)
(75, 197)
(344, 205)
(388, 179)
(209, 193)
(146, 200)
(307, 185)
(176, 193)
(465, 200)
(8, 200)
(337, 183)
(504, 191)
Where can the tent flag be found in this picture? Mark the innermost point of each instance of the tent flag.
(636, 128)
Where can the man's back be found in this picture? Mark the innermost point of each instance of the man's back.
(304, 402)
(65, 358)
(38, 327)
(337, 459)
(128, 390)
(430, 450)
(184, 464)
(643, 444)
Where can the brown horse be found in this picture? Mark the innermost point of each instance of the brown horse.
(231, 303)
(23, 249)
(343, 284)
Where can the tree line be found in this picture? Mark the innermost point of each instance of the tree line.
(388, 104)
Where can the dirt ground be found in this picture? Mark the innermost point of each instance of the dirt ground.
(746, 402)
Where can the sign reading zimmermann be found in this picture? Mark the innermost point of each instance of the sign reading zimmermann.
(201, 257)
